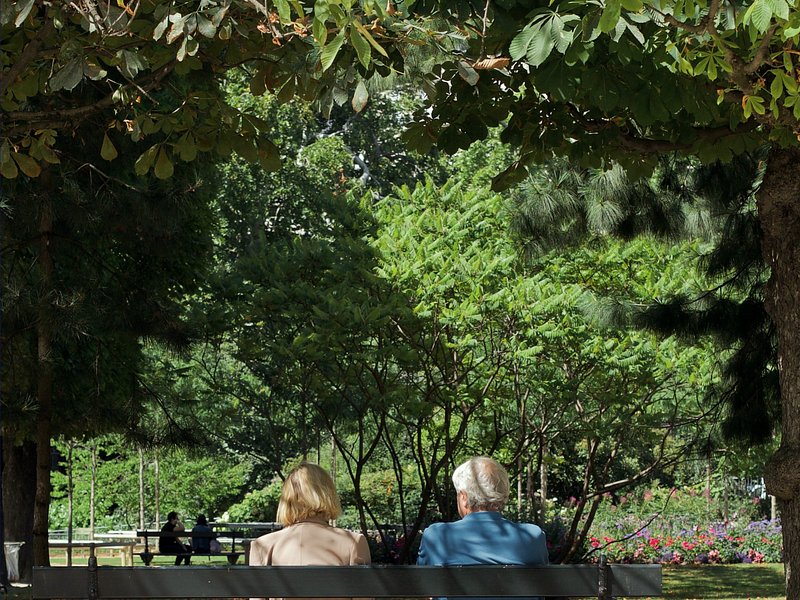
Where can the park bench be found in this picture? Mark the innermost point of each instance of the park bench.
(602, 581)
(232, 555)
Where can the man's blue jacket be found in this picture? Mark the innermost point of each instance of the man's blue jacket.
(481, 538)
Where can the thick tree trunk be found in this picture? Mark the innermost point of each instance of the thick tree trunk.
(44, 332)
(19, 486)
(4, 579)
(779, 212)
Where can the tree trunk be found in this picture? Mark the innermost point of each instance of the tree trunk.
(44, 393)
(4, 580)
(530, 493)
(157, 490)
(520, 475)
(141, 488)
(70, 505)
(333, 459)
(19, 486)
(543, 483)
(779, 212)
(773, 507)
(92, 490)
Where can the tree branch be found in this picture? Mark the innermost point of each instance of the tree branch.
(60, 119)
(761, 53)
(26, 56)
(706, 24)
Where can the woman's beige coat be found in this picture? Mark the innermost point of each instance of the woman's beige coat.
(310, 543)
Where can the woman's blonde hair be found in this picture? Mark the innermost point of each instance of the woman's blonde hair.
(308, 493)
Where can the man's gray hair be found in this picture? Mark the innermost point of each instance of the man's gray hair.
(485, 482)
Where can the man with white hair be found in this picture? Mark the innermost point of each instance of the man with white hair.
(483, 535)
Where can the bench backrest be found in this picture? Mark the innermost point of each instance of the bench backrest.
(189, 533)
(356, 581)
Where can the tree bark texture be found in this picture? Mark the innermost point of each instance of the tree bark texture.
(779, 212)
(19, 486)
(44, 332)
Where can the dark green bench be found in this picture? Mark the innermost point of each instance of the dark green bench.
(599, 581)
(232, 556)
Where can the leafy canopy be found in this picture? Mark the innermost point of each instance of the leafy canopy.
(68, 64)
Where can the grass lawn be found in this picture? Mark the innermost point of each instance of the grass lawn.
(740, 581)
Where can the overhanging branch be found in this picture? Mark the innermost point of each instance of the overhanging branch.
(30, 52)
(22, 121)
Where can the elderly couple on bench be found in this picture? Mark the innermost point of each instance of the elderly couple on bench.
(483, 536)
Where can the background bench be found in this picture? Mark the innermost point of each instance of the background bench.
(599, 581)
(232, 555)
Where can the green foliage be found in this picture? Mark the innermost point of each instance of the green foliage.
(96, 78)
(257, 506)
(124, 255)
(187, 483)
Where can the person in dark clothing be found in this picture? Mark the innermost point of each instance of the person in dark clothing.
(201, 544)
(173, 545)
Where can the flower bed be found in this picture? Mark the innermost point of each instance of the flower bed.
(676, 543)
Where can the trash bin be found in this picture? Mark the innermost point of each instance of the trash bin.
(12, 559)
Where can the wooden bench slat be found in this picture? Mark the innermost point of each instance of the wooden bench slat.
(358, 581)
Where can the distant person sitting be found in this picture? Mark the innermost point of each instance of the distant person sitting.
(483, 535)
(308, 502)
(201, 544)
(173, 545)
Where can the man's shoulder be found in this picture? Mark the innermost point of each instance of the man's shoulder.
(439, 526)
(533, 527)
(528, 529)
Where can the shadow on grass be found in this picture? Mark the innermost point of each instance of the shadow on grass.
(724, 581)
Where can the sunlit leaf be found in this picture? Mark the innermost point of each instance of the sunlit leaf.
(361, 46)
(610, 17)
(360, 97)
(8, 168)
(284, 11)
(26, 164)
(145, 161)
(24, 10)
(108, 151)
(319, 30)
(164, 167)
(368, 36)
(467, 73)
(68, 76)
(520, 44)
(540, 48)
(329, 52)
(205, 27)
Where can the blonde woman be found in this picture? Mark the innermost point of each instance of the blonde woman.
(308, 502)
